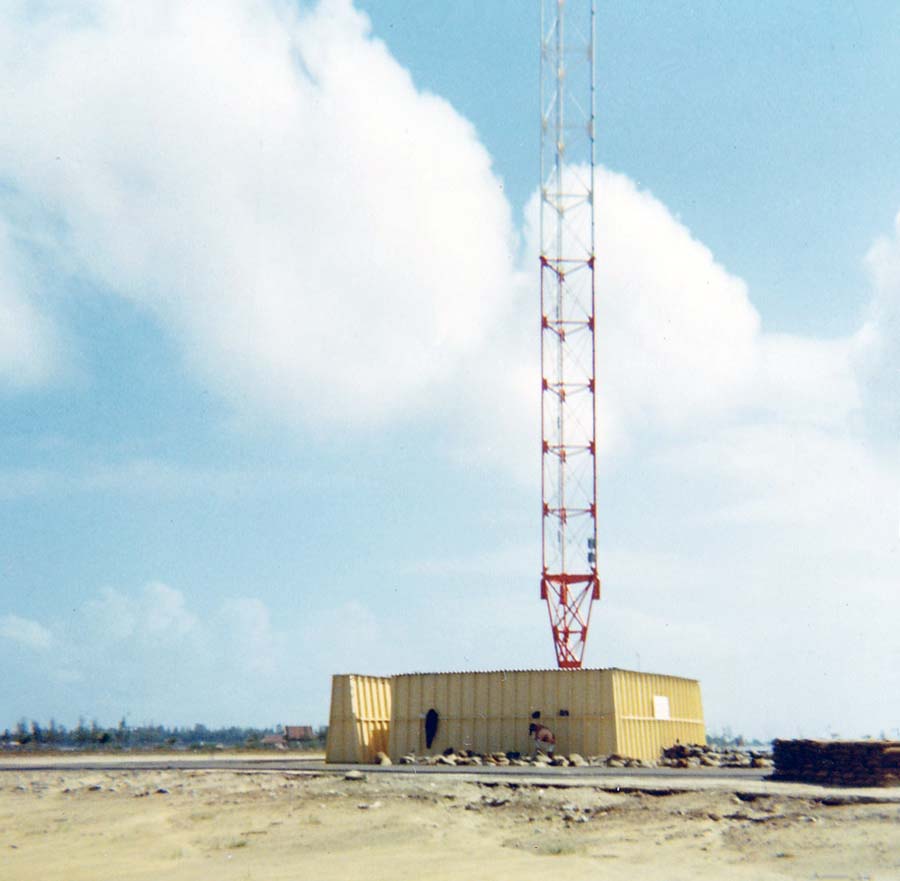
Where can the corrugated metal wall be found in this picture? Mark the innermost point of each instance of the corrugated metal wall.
(491, 712)
(360, 718)
(591, 712)
(642, 729)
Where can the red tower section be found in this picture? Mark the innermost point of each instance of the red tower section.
(569, 579)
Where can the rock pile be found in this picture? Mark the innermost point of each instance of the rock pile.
(838, 762)
(695, 755)
(462, 758)
(678, 756)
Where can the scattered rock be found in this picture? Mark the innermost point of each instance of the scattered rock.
(369, 807)
(678, 756)
(700, 755)
(354, 775)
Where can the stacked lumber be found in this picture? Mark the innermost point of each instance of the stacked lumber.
(838, 762)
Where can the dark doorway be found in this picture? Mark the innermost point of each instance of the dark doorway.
(431, 727)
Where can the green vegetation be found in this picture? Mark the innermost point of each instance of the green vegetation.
(728, 740)
(93, 736)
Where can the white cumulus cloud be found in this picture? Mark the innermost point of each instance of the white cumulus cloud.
(30, 349)
(326, 240)
(879, 339)
(681, 350)
(25, 632)
(154, 652)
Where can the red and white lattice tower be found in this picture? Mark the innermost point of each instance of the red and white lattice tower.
(569, 580)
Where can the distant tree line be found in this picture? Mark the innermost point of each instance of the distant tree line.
(84, 736)
(726, 739)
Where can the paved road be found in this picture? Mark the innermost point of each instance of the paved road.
(653, 781)
(665, 775)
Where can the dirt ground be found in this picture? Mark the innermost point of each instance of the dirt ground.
(272, 825)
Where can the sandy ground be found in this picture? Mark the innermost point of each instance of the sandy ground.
(272, 825)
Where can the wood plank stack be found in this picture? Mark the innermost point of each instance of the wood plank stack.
(838, 762)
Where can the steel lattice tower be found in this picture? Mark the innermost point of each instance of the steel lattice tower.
(569, 580)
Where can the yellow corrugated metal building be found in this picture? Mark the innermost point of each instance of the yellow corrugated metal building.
(360, 718)
(591, 712)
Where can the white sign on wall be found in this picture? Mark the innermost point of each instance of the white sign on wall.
(660, 707)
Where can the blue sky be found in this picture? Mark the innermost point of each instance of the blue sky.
(754, 126)
(268, 354)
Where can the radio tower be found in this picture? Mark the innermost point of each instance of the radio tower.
(569, 580)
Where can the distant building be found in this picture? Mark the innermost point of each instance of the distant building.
(298, 732)
(273, 740)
